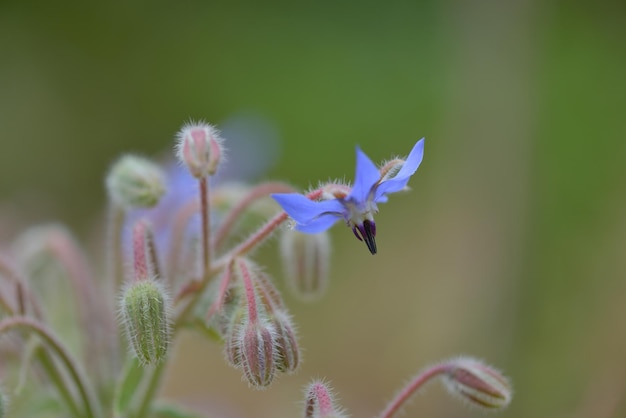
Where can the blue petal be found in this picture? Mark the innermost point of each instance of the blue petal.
(366, 176)
(303, 210)
(319, 224)
(399, 181)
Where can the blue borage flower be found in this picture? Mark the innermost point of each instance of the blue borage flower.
(357, 208)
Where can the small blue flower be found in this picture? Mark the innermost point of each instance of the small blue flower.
(357, 209)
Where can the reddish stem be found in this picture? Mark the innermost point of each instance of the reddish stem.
(250, 293)
(219, 301)
(256, 193)
(8, 271)
(205, 214)
(423, 377)
(258, 237)
(140, 261)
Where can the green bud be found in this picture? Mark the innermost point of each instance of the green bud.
(135, 182)
(144, 312)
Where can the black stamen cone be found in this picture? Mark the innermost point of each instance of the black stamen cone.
(367, 232)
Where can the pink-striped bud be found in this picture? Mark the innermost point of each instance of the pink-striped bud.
(478, 383)
(320, 403)
(199, 147)
(306, 260)
(232, 340)
(286, 343)
(258, 353)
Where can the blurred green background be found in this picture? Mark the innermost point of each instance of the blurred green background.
(511, 246)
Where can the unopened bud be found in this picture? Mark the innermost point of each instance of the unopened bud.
(320, 403)
(144, 312)
(232, 341)
(199, 147)
(477, 383)
(258, 353)
(135, 182)
(286, 343)
(390, 168)
(306, 259)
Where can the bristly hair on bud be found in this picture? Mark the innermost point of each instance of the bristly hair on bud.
(135, 182)
(306, 260)
(319, 402)
(145, 314)
(258, 351)
(199, 148)
(478, 383)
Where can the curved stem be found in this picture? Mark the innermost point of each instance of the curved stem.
(256, 193)
(250, 293)
(86, 393)
(57, 379)
(24, 292)
(414, 385)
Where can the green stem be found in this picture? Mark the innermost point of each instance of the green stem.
(85, 391)
(153, 385)
(57, 379)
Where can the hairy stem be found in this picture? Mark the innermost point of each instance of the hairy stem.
(249, 288)
(256, 193)
(205, 213)
(414, 385)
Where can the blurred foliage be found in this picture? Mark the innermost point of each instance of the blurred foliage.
(511, 245)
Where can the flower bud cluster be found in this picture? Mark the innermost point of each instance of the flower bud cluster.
(260, 338)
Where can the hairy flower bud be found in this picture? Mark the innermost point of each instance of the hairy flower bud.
(320, 403)
(232, 341)
(144, 312)
(258, 353)
(306, 260)
(286, 343)
(477, 383)
(199, 147)
(135, 182)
